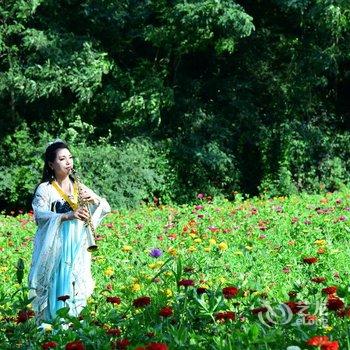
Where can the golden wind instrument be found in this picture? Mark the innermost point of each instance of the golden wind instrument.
(90, 229)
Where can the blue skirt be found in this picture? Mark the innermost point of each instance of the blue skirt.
(63, 280)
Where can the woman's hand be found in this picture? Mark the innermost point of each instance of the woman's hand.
(81, 214)
(89, 196)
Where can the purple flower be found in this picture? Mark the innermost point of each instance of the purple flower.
(156, 252)
(199, 207)
(200, 195)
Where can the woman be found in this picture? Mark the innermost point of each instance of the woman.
(60, 273)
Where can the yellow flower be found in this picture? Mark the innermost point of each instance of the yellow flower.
(222, 279)
(127, 248)
(136, 287)
(203, 285)
(3, 268)
(321, 242)
(168, 273)
(191, 249)
(172, 251)
(100, 259)
(207, 249)
(248, 247)
(109, 272)
(197, 240)
(47, 327)
(223, 246)
(168, 292)
(192, 235)
(152, 266)
(327, 328)
(160, 263)
(212, 241)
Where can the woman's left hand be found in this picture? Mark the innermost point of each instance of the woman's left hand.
(89, 197)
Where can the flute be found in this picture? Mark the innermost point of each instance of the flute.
(90, 229)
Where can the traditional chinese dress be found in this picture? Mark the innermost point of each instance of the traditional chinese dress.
(61, 264)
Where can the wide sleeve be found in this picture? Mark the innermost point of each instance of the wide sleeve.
(47, 243)
(41, 206)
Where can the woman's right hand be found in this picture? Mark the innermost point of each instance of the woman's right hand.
(81, 214)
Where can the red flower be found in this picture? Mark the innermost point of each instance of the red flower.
(295, 307)
(310, 260)
(186, 283)
(75, 345)
(225, 316)
(229, 292)
(63, 298)
(156, 346)
(113, 300)
(329, 290)
(318, 279)
(344, 312)
(49, 345)
(142, 301)
(201, 290)
(259, 310)
(334, 303)
(166, 311)
(122, 344)
(24, 315)
(317, 340)
(331, 345)
(310, 318)
(114, 331)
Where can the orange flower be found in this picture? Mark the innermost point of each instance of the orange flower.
(317, 340)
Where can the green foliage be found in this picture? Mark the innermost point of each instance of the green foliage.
(127, 174)
(311, 160)
(189, 26)
(240, 95)
(20, 167)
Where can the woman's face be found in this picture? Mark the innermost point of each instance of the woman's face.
(63, 163)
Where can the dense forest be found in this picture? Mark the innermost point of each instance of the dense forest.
(161, 100)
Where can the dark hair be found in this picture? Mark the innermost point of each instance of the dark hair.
(50, 156)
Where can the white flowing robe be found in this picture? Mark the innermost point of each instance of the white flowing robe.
(60, 260)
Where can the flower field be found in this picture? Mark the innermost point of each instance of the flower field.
(249, 274)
